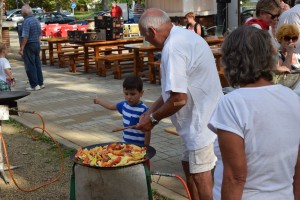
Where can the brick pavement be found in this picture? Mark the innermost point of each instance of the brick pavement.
(67, 106)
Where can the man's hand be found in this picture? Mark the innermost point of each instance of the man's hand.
(145, 123)
(21, 52)
(96, 100)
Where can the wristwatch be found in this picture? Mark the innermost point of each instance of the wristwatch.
(153, 121)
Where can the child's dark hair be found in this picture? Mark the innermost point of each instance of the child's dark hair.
(133, 82)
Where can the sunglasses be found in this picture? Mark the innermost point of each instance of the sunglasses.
(288, 38)
(272, 16)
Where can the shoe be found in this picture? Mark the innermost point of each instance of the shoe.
(33, 89)
(42, 86)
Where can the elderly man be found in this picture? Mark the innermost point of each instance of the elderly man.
(190, 91)
(291, 16)
(30, 49)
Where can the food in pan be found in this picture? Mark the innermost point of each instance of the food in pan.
(113, 155)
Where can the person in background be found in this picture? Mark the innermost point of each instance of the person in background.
(131, 109)
(190, 90)
(138, 7)
(138, 10)
(287, 35)
(257, 125)
(192, 24)
(30, 37)
(176, 21)
(116, 11)
(292, 16)
(6, 76)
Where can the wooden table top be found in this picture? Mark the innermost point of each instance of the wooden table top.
(141, 46)
(56, 39)
(111, 42)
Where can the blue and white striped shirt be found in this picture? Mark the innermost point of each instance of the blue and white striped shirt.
(31, 29)
(131, 116)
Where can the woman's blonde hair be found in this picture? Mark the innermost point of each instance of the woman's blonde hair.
(2, 47)
(287, 30)
(190, 15)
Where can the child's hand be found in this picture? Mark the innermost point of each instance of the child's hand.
(13, 83)
(96, 100)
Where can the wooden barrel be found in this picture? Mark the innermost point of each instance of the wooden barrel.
(5, 36)
(126, 183)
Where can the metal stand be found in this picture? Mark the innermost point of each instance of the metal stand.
(4, 115)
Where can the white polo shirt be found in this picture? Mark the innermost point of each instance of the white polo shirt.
(188, 66)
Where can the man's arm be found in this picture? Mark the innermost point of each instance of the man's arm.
(235, 165)
(297, 178)
(162, 110)
(105, 104)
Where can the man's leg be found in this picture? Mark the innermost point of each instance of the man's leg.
(204, 184)
(29, 62)
(190, 181)
(38, 65)
(198, 172)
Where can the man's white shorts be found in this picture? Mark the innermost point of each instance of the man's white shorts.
(200, 160)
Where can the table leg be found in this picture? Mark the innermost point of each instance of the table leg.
(86, 59)
(136, 63)
(51, 57)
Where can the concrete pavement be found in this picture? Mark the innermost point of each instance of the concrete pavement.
(67, 107)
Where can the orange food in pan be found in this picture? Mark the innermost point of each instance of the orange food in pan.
(113, 155)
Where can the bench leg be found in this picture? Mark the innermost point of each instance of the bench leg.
(152, 74)
(117, 70)
(72, 64)
(61, 62)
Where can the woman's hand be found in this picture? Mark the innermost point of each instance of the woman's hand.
(290, 48)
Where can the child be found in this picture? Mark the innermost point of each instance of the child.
(6, 76)
(131, 109)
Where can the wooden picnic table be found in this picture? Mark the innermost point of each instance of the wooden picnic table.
(97, 45)
(141, 47)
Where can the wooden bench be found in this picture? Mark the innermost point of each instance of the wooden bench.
(62, 57)
(73, 58)
(116, 59)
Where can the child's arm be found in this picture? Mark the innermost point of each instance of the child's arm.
(105, 104)
(147, 138)
(8, 73)
(10, 76)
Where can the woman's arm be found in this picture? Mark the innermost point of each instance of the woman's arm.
(199, 29)
(105, 104)
(297, 178)
(235, 165)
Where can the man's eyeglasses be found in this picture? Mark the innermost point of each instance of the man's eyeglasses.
(289, 38)
(272, 16)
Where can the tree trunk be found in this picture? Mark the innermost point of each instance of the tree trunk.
(104, 5)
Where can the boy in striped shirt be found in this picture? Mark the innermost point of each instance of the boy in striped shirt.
(131, 109)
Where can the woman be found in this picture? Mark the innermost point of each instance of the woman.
(267, 14)
(258, 125)
(192, 24)
(287, 35)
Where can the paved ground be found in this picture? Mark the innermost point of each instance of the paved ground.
(67, 106)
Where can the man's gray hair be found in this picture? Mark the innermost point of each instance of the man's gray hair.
(248, 55)
(26, 9)
(154, 21)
